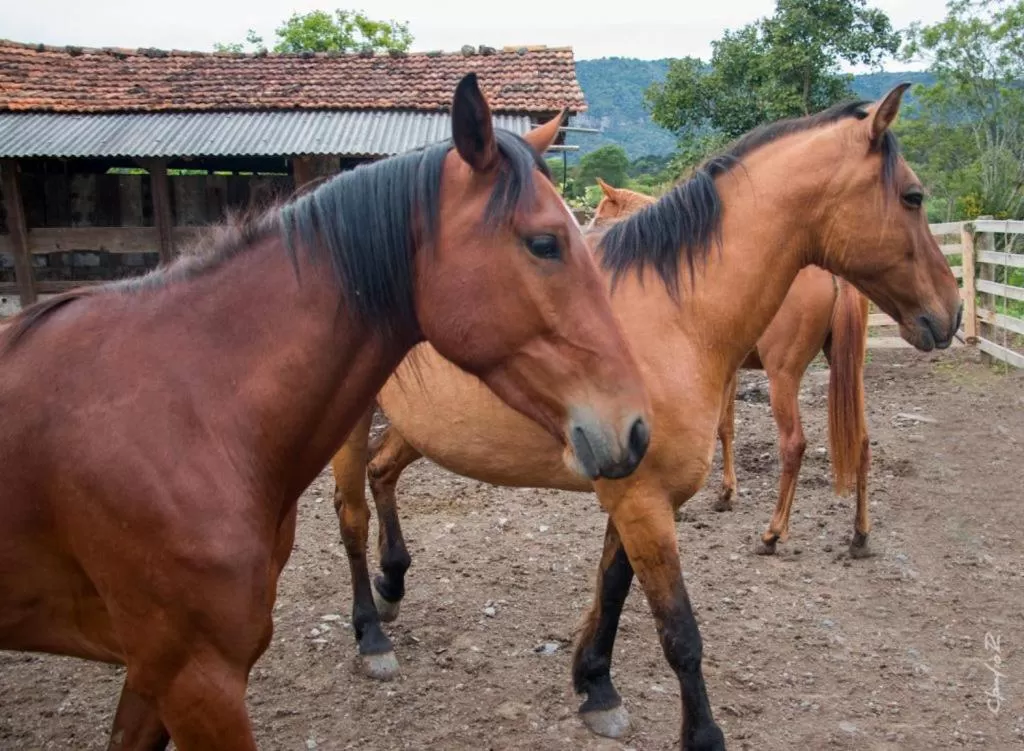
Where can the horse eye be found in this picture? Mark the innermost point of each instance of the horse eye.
(913, 198)
(544, 246)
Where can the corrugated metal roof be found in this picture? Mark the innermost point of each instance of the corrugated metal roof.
(369, 133)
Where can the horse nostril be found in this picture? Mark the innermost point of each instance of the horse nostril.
(639, 438)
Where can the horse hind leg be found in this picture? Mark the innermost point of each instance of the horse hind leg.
(390, 456)
(726, 433)
(376, 654)
(786, 409)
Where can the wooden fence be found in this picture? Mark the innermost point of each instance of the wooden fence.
(987, 258)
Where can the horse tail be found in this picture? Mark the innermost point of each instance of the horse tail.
(847, 424)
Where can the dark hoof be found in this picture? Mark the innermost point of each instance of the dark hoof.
(387, 610)
(767, 547)
(709, 738)
(724, 502)
(609, 723)
(859, 547)
(382, 667)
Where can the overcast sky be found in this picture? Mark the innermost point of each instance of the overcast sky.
(595, 28)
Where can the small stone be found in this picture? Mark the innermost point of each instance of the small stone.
(490, 611)
(734, 557)
(543, 528)
(310, 744)
(330, 617)
(547, 648)
(847, 727)
(902, 557)
(821, 451)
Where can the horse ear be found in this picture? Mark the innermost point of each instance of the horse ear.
(543, 136)
(472, 129)
(885, 111)
(609, 192)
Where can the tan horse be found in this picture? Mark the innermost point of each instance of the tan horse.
(696, 277)
(157, 433)
(819, 314)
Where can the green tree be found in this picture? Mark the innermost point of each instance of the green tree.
(322, 31)
(968, 138)
(610, 163)
(785, 65)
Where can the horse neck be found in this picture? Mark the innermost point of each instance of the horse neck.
(283, 371)
(770, 213)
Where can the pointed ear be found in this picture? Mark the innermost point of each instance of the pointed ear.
(472, 129)
(610, 193)
(885, 111)
(543, 136)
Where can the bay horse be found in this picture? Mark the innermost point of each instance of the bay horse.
(695, 278)
(158, 432)
(819, 314)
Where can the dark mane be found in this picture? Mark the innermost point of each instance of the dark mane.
(687, 219)
(366, 223)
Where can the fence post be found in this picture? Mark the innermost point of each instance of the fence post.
(18, 232)
(986, 271)
(970, 294)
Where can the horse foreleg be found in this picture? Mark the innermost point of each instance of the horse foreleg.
(862, 523)
(726, 432)
(391, 455)
(377, 656)
(137, 725)
(786, 409)
(643, 519)
(602, 711)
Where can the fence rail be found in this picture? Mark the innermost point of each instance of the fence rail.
(990, 251)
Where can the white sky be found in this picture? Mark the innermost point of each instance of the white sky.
(595, 28)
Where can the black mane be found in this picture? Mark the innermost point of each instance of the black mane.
(687, 219)
(365, 222)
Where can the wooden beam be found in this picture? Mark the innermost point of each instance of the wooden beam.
(945, 228)
(970, 296)
(1010, 323)
(18, 232)
(999, 226)
(163, 219)
(999, 352)
(101, 239)
(1002, 290)
(1016, 260)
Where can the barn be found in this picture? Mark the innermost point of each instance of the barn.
(113, 159)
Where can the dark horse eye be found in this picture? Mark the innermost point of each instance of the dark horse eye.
(913, 198)
(544, 246)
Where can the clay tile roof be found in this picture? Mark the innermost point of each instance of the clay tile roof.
(37, 78)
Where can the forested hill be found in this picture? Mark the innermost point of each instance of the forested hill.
(614, 88)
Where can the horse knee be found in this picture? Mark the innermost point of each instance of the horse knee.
(793, 449)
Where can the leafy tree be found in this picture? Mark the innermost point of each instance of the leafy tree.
(968, 141)
(781, 66)
(610, 163)
(321, 31)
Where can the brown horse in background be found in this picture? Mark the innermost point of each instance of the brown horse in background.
(697, 277)
(820, 314)
(157, 432)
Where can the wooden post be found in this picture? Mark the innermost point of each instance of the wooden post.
(986, 271)
(162, 217)
(970, 294)
(19, 232)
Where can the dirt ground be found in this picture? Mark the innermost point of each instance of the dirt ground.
(804, 650)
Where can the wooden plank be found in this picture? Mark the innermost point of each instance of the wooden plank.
(53, 287)
(1001, 353)
(952, 249)
(129, 188)
(100, 239)
(58, 200)
(1007, 226)
(1002, 290)
(83, 200)
(189, 200)
(984, 242)
(163, 216)
(18, 232)
(887, 342)
(880, 319)
(946, 228)
(1016, 260)
(969, 289)
(1016, 325)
